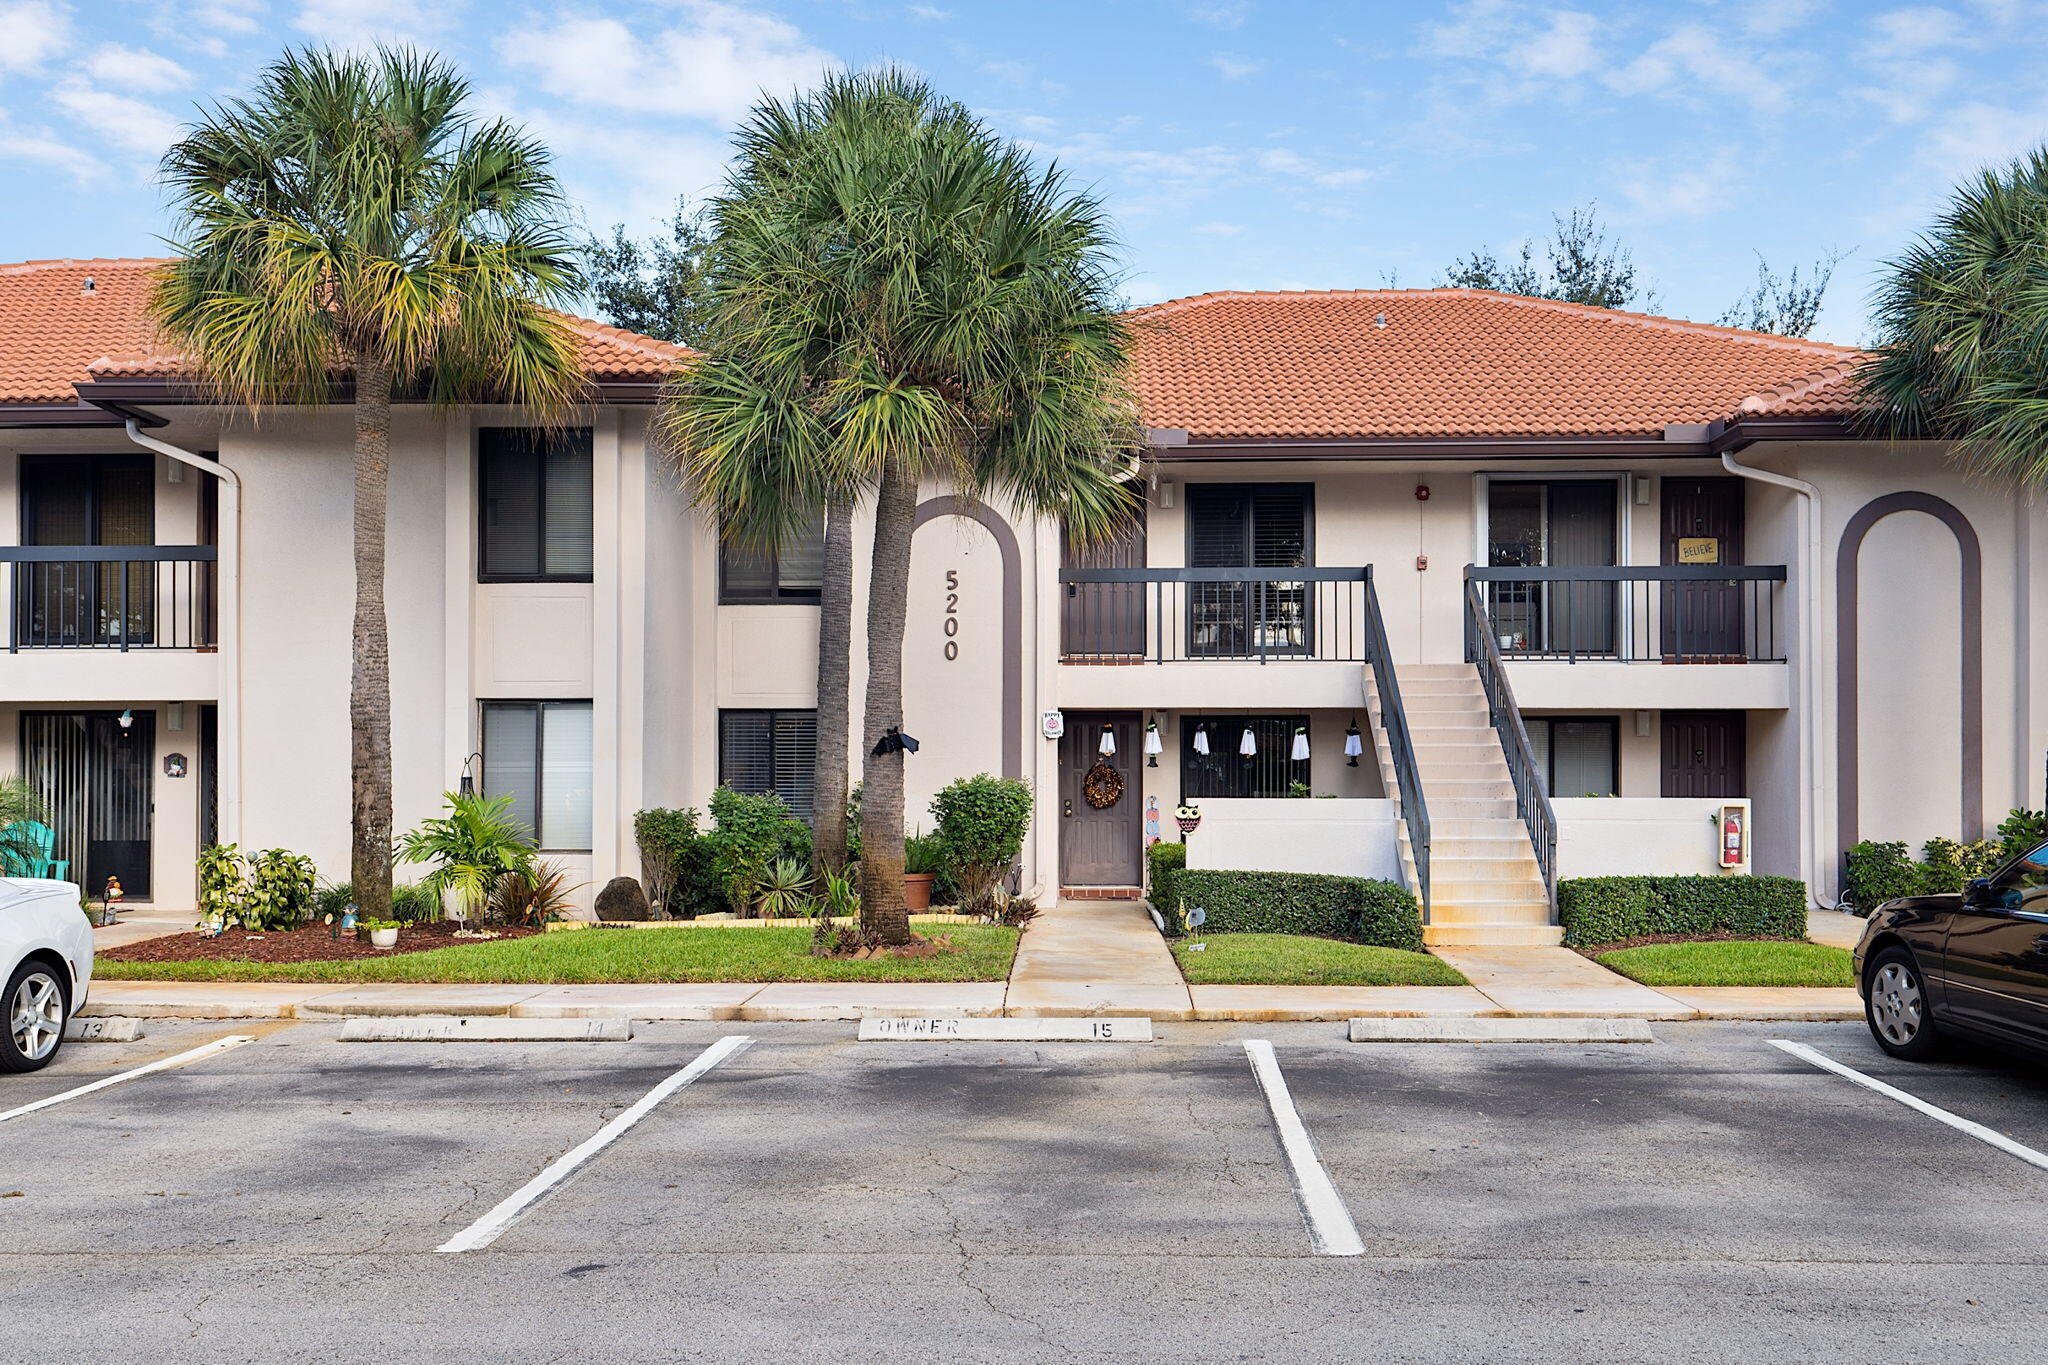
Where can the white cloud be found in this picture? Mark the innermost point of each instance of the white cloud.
(39, 146)
(236, 16)
(134, 68)
(32, 32)
(1533, 41)
(1679, 186)
(1217, 229)
(119, 120)
(1979, 134)
(930, 14)
(365, 23)
(1221, 15)
(1236, 68)
(715, 64)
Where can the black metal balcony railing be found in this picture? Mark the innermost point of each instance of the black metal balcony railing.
(118, 597)
(1716, 613)
(1173, 615)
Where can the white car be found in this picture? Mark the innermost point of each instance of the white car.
(46, 960)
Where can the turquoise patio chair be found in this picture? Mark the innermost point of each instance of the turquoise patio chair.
(25, 849)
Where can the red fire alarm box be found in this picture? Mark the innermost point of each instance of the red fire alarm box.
(1734, 836)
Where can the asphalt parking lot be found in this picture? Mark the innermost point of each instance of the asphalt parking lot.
(1703, 1197)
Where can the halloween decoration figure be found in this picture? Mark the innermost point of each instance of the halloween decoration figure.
(893, 739)
(1300, 751)
(1153, 746)
(1187, 817)
(1151, 819)
(1202, 741)
(1353, 745)
(1248, 746)
(1106, 746)
(1103, 787)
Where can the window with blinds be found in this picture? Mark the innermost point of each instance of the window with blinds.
(541, 754)
(1256, 526)
(536, 505)
(1579, 756)
(794, 572)
(770, 751)
(1226, 771)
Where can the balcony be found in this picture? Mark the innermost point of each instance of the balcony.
(71, 606)
(118, 597)
(1217, 631)
(1572, 636)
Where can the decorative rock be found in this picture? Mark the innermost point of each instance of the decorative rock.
(622, 898)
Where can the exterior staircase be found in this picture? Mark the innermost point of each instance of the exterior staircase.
(1486, 888)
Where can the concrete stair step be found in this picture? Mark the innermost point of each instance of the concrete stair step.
(1469, 815)
(1463, 870)
(1434, 773)
(1439, 671)
(1493, 895)
(1468, 790)
(1495, 935)
(1453, 848)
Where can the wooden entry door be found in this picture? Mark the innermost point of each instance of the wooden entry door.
(1101, 847)
(1705, 753)
(1704, 620)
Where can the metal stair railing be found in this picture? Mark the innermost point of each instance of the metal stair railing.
(1394, 720)
(1532, 802)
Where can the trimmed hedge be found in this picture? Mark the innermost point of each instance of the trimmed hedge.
(1166, 862)
(1605, 909)
(1355, 908)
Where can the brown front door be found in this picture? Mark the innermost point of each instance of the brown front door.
(1704, 754)
(1105, 621)
(1100, 846)
(1703, 619)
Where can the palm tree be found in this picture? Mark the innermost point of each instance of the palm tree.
(902, 297)
(352, 220)
(1962, 319)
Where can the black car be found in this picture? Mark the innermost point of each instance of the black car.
(1971, 964)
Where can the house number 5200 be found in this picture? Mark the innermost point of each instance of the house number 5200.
(952, 626)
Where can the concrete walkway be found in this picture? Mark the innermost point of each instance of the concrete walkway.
(1096, 958)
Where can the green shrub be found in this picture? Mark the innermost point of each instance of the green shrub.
(924, 853)
(1355, 908)
(222, 884)
(673, 858)
(469, 849)
(1875, 872)
(281, 890)
(982, 820)
(1605, 909)
(2022, 830)
(1164, 862)
(750, 833)
(1948, 864)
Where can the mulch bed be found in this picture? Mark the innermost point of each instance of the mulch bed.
(1593, 950)
(310, 944)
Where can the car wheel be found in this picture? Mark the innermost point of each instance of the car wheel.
(1896, 1007)
(35, 1010)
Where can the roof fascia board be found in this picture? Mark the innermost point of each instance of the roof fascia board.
(18, 415)
(111, 392)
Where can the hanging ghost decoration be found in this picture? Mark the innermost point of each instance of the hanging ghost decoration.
(1107, 744)
(1300, 751)
(1353, 744)
(1202, 741)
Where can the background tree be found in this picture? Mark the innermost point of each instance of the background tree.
(1962, 327)
(1579, 264)
(660, 287)
(1783, 305)
(351, 220)
(901, 297)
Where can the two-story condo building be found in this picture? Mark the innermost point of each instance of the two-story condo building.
(1464, 589)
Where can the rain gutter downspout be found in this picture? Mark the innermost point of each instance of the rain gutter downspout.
(228, 740)
(1813, 762)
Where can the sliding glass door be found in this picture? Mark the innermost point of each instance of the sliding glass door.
(1250, 526)
(96, 777)
(1555, 524)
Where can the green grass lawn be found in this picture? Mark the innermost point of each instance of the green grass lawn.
(982, 953)
(1297, 960)
(1734, 962)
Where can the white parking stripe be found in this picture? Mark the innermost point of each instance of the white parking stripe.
(1330, 1231)
(1935, 1112)
(217, 1045)
(492, 1225)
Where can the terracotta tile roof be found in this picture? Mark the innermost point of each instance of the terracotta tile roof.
(1827, 392)
(54, 333)
(1457, 362)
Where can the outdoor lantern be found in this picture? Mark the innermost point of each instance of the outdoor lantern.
(1300, 754)
(1153, 747)
(1353, 746)
(1248, 746)
(1107, 744)
(466, 784)
(1202, 741)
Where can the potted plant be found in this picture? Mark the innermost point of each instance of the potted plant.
(923, 856)
(383, 932)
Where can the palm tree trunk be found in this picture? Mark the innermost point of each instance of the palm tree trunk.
(835, 648)
(369, 698)
(882, 914)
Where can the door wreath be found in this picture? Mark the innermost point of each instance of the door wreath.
(1103, 786)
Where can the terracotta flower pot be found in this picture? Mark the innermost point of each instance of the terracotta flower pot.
(917, 891)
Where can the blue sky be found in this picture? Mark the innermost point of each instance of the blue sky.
(1239, 143)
